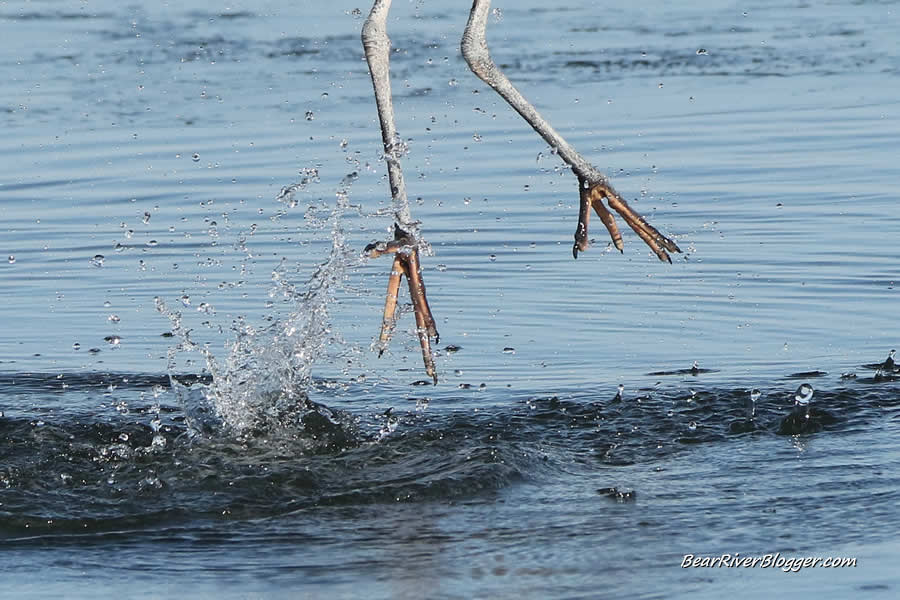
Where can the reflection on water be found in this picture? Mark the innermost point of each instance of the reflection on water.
(199, 157)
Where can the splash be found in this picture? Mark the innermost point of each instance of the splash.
(262, 382)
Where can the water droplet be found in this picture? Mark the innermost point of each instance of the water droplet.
(453, 82)
(751, 406)
(97, 261)
(509, 350)
(152, 243)
(107, 304)
(702, 52)
(692, 425)
(186, 300)
(660, 85)
(76, 346)
(441, 267)
(113, 318)
(324, 96)
(195, 157)
(113, 340)
(12, 259)
(310, 115)
(803, 395)
(493, 257)
(476, 137)
(146, 218)
(123, 437)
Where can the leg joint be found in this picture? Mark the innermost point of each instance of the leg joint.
(375, 38)
(475, 52)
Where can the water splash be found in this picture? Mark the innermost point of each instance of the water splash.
(751, 406)
(802, 398)
(262, 381)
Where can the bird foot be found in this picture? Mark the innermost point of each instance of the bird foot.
(592, 195)
(406, 263)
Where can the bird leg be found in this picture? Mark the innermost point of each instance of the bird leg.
(593, 185)
(406, 242)
(406, 263)
(592, 196)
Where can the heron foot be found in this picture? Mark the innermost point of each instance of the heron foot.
(592, 195)
(406, 263)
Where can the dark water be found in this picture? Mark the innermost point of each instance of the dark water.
(291, 461)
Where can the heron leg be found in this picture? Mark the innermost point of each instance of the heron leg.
(406, 242)
(406, 264)
(594, 186)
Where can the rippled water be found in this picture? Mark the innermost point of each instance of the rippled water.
(188, 189)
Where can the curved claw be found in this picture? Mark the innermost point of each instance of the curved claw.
(592, 196)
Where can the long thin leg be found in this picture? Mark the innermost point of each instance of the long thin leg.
(595, 186)
(377, 47)
(405, 245)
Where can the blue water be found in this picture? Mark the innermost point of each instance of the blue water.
(761, 137)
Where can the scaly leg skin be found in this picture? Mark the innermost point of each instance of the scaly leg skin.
(405, 245)
(593, 196)
(406, 263)
(593, 185)
(390, 305)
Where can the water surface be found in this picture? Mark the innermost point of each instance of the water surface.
(159, 137)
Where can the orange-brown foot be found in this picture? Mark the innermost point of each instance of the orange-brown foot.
(592, 195)
(406, 263)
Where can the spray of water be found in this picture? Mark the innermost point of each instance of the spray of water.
(262, 381)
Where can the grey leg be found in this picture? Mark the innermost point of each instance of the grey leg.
(593, 185)
(377, 46)
(405, 245)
